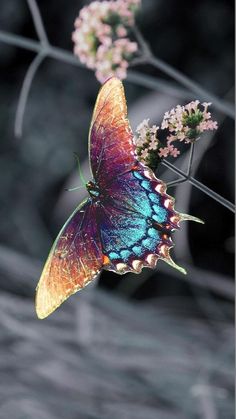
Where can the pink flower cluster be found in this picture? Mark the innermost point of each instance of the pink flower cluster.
(101, 37)
(186, 123)
(146, 142)
(170, 150)
(148, 146)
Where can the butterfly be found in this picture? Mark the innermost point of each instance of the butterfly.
(126, 222)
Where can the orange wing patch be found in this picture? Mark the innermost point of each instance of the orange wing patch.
(106, 260)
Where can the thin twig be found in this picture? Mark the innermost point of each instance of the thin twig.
(133, 76)
(38, 23)
(25, 92)
(20, 41)
(212, 194)
(184, 179)
(177, 182)
(200, 186)
(145, 50)
(219, 104)
(154, 83)
(148, 58)
(190, 162)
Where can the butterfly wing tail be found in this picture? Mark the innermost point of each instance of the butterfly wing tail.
(187, 217)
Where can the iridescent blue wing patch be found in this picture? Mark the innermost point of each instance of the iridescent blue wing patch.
(136, 221)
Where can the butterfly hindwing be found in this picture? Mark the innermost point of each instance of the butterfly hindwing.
(75, 260)
(137, 221)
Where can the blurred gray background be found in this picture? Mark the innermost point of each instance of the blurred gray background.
(153, 346)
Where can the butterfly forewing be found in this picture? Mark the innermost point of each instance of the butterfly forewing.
(110, 138)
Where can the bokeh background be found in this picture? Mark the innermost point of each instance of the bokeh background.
(153, 346)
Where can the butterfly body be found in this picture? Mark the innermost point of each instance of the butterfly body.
(126, 222)
(93, 190)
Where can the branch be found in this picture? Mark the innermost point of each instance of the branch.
(203, 94)
(201, 186)
(147, 57)
(137, 77)
(38, 23)
(25, 93)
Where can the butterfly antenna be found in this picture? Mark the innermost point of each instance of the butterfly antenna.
(79, 170)
(74, 189)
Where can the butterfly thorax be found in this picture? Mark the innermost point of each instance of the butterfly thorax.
(93, 189)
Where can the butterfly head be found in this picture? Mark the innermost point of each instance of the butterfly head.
(93, 189)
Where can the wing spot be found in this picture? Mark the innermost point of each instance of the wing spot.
(147, 174)
(167, 203)
(137, 250)
(106, 260)
(121, 266)
(159, 188)
(151, 259)
(136, 264)
(164, 251)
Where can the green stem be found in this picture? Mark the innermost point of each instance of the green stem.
(190, 159)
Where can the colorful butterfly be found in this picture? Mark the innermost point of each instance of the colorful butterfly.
(126, 222)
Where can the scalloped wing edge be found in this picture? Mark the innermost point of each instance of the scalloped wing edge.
(149, 262)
